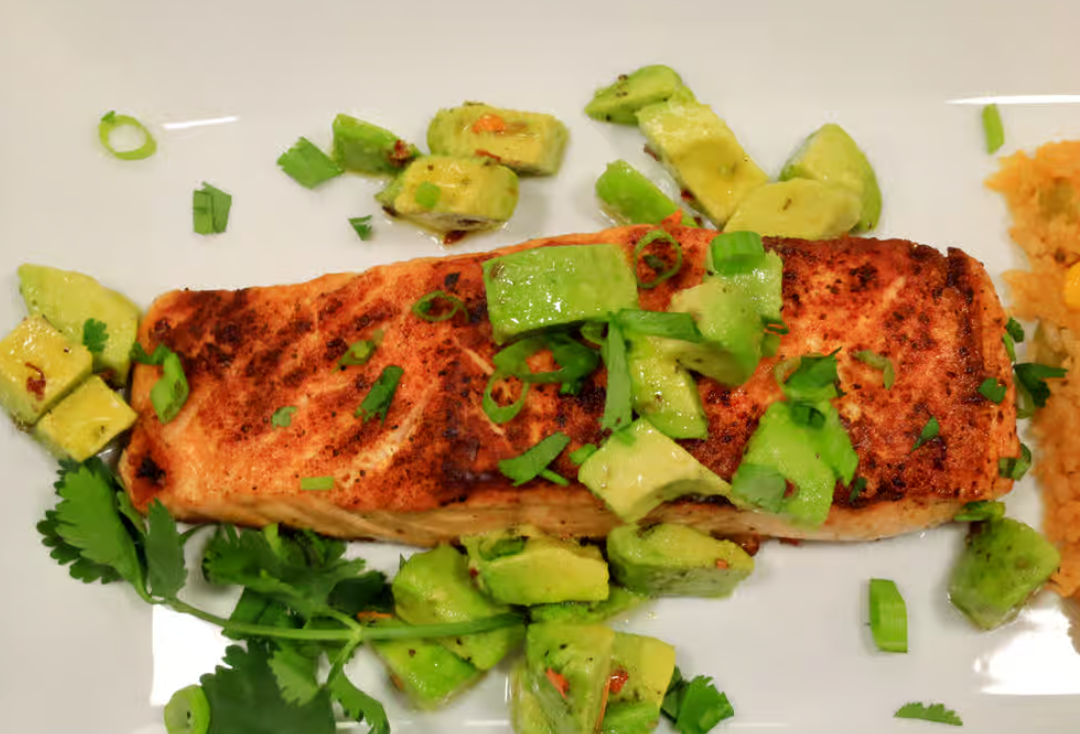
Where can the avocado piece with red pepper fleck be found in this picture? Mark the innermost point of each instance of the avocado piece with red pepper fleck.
(531, 143)
(428, 673)
(569, 668)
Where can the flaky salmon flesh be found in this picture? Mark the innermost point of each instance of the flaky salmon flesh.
(430, 473)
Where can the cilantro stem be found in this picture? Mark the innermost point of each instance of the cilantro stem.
(264, 631)
(452, 629)
(343, 618)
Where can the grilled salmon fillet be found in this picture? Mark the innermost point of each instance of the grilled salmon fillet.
(429, 474)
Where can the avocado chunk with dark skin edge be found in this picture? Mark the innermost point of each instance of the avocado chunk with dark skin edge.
(620, 101)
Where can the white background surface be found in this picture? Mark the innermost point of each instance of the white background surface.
(791, 648)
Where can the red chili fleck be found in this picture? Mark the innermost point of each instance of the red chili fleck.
(618, 680)
(473, 572)
(687, 196)
(487, 154)
(559, 681)
(651, 153)
(791, 541)
(401, 153)
(453, 236)
(36, 385)
(722, 564)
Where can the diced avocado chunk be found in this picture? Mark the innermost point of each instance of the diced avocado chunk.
(663, 391)
(556, 286)
(528, 142)
(68, 299)
(618, 601)
(452, 194)
(38, 367)
(525, 566)
(434, 587)
(84, 422)
(631, 198)
(526, 712)
(1004, 564)
(620, 101)
(702, 154)
(728, 319)
(831, 156)
(629, 718)
(763, 284)
(568, 667)
(365, 148)
(428, 673)
(676, 560)
(641, 669)
(802, 208)
(639, 468)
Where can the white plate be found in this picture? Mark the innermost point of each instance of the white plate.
(227, 86)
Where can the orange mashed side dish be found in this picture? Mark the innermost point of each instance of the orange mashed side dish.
(1043, 195)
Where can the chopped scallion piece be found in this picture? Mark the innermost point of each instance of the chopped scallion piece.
(377, 402)
(992, 128)
(618, 402)
(814, 379)
(1015, 467)
(667, 324)
(439, 301)
(282, 417)
(307, 165)
(879, 362)
(534, 461)
(428, 194)
(316, 483)
(1015, 330)
(170, 392)
(210, 208)
(936, 713)
(735, 252)
(110, 121)
(980, 512)
(500, 414)
(360, 352)
(554, 478)
(1033, 392)
(929, 432)
(578, 456)
(857, 488)
(992, 390)
(663, 272)
(362, 226)
(888, 616)
(1010, 346)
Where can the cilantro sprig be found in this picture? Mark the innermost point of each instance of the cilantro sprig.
(936, 713)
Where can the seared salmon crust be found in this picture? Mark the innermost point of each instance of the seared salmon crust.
(429, 473)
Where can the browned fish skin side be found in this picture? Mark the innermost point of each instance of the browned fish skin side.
(430, 473)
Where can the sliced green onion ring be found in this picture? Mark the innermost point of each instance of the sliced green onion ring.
(188, 712)
(878, 362)
(1015, 467)
(593, 332)
(735, 252)
(111, 121)
(500, 414)
(533, 462)
(427, 303)
(658, 235)
(888, 616)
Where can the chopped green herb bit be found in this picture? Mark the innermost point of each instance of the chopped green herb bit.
(428, 194)
(618, 404)
(110, 121)
(878, 362)
(360, 352)
(170, 392)
(936, 713)
(980, 512)
(307, 165)
(1010, 346)
(656, 263)
(929, 432)
(362, 226)
(316, 483)
(888, 616)
(530, 464)
(857, 488)
(282, 417)
(210, 208)
(439, 306)
(1015, 467)
(377, 402)
(775, 327)
(554, 478)
(760, 485)
(666, 324)
(1015, 330)
(1033, 392)
(95, 335)
(993, 130)
(814, 379)
(732, 253)
(578, 456)
(992, 390)
(695, 706)
(500, 414)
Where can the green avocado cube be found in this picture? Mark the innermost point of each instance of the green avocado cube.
(69, 299)
(630, 718)
(38, 367)
(629, 197)
(1004, 564)
(809, 210)
(620, 101)
(676, 560)
(831, 156)
(365, 148)
(663, 391)
(435, 587)
(428, 673)
(556, 286)
(531, 143)
(640, 468)
(701, 152)
(643, 667)
(84, 422)
(618, 601)
(526, 712)
(448, 194)
(569, 666)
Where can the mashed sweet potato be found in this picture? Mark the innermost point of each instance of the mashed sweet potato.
(1043, 194)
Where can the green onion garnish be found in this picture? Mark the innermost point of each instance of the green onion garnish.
(554, 478)
(377, 402)
(593, 332)
(500, 414)
(1015, 330)
(1015, 467)
(441, 301)
(929, 432)
(210, 209)
(980, 512)
(888, 616)
(170, 392)
(576, 361)
(662, 274)
(992, 128)
(735, 252)
(530, 464)
(992, 390)
(427, 195)
(362, 227)
(814, 379)
(282, 417)
(857, 488)
(667, 324)
(578, 456)
(360, 352)
(618, 401)
(878, 362)
(1032, 390)
(316, 483)
(110, 121)
(307, 165)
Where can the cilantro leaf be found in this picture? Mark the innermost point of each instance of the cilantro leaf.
(815, 378)
(95, 334)
(282, 417)
(64, 553)
(362, 227)
(930, 431)
(935, 712)
(164, 553)
(295, 674)
(1032, 390)
(695, 706)
(368, 592)
(358, 705)
(377, 402)
(245, 698)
